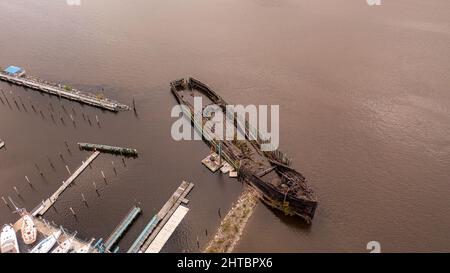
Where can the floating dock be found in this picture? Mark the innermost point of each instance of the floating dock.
(163, 221)
(46, 204)
(62, 91)
(45, 229)
(108, 149)
(163, 236)
(122, 227)
(213, 162)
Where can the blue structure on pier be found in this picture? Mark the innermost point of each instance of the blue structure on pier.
(14, 71)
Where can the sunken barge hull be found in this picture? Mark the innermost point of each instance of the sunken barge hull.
(268, 172)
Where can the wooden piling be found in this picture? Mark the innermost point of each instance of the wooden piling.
(16, 190)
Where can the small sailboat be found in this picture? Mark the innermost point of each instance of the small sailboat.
(46, 244)
(28, 229)
(64, 247)
(85, 249)
(8, 240)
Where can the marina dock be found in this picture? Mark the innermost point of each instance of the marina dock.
(45, 205)
(162, 222)
(163, 236)
(62, 91)
(44, 229)
(108, 149)
(122, 227)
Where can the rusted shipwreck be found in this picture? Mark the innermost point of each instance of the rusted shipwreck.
(269, 172)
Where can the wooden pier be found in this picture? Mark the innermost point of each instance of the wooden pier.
(64, 92)
(159, 221)
(46, 204)
(122, 227)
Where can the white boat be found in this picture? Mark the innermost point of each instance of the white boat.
(64, 247)
(84, 249)
(46, 244)
(2, 143)
(28, 229)
(8, 240)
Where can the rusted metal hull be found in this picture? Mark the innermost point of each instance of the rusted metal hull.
(279, 185)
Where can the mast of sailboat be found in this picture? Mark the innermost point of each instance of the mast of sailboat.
(12, 202)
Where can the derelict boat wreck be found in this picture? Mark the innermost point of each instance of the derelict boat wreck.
(269, 172)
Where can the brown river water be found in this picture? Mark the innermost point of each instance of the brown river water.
(364, 95)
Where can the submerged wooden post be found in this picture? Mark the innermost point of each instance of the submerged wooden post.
(4, 201)
(28, 180)
(16, 190)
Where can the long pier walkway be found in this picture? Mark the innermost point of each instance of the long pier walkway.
(67, 93)
(122, 227)
(157, 223)
(45, 205)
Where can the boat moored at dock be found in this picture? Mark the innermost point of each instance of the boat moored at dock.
(28, 229)
(47, 243)
(65, 246)
(8, 240)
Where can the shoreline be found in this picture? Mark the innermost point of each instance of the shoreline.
(233, 224)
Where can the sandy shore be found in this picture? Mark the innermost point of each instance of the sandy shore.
(232, 226)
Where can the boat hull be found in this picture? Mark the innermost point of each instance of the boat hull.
(8, 240)
(289, 193)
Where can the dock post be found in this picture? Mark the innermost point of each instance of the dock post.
(4, 201)
(51, 163)
(28, 180)
(114, 168)
(83, 198)
(16, 190)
